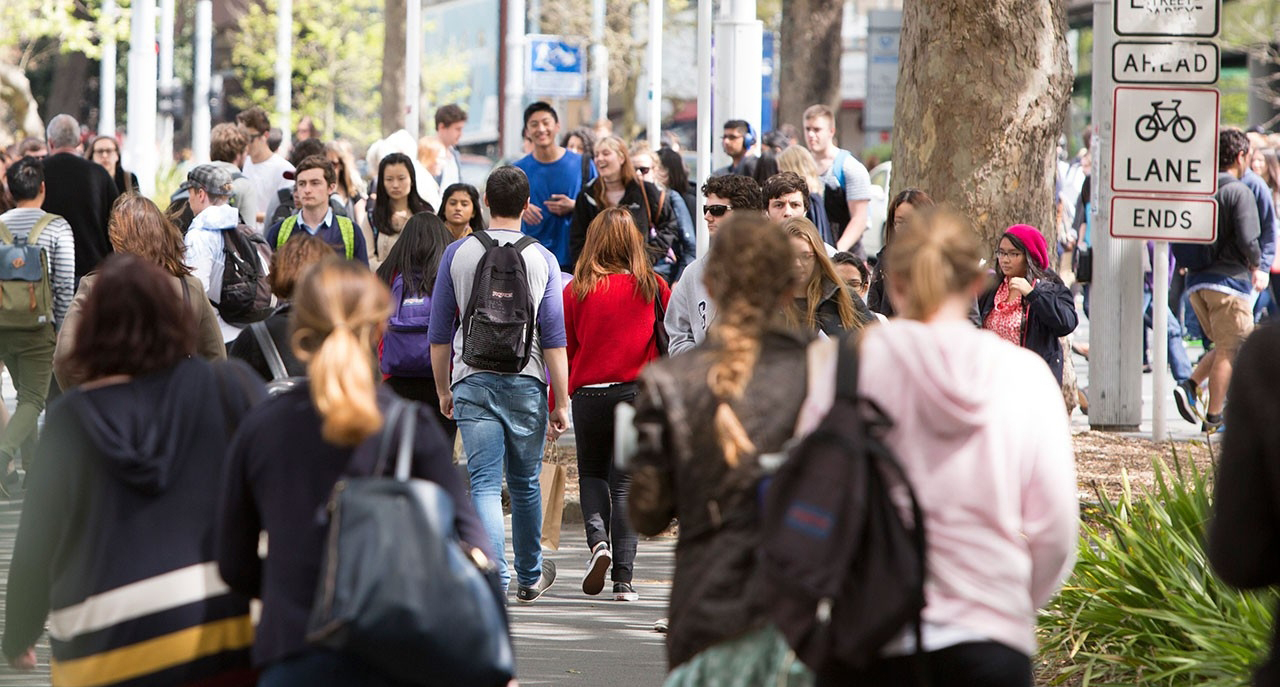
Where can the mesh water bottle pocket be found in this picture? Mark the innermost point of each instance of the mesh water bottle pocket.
(495, 346)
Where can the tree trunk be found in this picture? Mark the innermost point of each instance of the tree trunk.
(393, 106)
(809, 57)
(983, 89)
(69, 96)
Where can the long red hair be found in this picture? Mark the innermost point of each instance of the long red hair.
(614, 246)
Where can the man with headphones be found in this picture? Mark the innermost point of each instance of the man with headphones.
(737, 142)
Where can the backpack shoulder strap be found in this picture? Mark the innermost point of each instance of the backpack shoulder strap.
(348, 235)
(847, 368)
(837, 166)
(286, 229)
(43, 222)
(648, 211)
(485, 239)
(6, 236)
(269, 350)
(524, 242)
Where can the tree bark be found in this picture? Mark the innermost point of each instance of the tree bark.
(69, 96)
(810, 57)
(393, 105)
(983, 89)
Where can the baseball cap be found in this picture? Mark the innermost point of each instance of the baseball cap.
(215, 180)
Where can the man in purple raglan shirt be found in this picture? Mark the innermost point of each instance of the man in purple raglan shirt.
(503, 417)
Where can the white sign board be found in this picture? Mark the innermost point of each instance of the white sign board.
(1165, 62)
(1190, 18)
(1166, 140)
(1183, 220)
(883, 30)
(556, 66)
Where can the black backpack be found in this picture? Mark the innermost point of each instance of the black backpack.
(499, 322)
(844, 572)
(246, 289)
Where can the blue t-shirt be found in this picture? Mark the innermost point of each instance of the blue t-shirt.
(545, 180)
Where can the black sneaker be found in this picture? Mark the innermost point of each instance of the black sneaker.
(597, 568)
(1184, 396)
(623, 591)
(527, 595)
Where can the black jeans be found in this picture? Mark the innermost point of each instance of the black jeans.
(973, 664)
(603, 487)
(423, 390)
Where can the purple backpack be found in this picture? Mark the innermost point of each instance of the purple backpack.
(406, 352)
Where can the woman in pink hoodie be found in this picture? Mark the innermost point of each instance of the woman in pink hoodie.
(979, 427)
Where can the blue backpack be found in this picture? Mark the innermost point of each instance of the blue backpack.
(406, 352)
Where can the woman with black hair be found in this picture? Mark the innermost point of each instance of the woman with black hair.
(396, 200)
(410, 271)
(460, 210)
(583, 142)
(903, 205)
(1029, 305)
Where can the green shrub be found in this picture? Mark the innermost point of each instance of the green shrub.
(1142, 605)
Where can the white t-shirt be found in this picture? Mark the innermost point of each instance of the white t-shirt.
(267, 177)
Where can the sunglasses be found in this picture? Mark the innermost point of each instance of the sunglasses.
(643, 170)
(716, 210)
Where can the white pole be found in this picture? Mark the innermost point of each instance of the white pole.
(200, 116)
(141, 143)
(107, 72)
(513, 123)
(165, 131)
(704, 118)
(599, 62)
(655, 73)
(284, 57)
(1159, 338)
(413, 66)
(739, 47)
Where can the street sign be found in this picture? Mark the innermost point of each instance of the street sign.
(1190, 18)
(1182, 220)
(556, 66)
(1165, 140)
(1165, 62)
(884, 28)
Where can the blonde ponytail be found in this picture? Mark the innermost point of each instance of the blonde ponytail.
(339, 311)
(936, 256)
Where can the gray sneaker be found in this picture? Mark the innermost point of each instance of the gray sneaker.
(527, 595)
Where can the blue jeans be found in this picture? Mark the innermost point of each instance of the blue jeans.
(503, 421)
(1179, 363)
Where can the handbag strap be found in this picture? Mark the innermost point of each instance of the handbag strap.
(269, 350)
(408, 427)
(647, 212)
(389, 420)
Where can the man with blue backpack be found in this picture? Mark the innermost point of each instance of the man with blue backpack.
(848, 184)
(497, 314)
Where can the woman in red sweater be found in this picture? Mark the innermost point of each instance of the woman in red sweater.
(609, 317)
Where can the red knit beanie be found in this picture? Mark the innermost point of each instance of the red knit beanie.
(1033, 240)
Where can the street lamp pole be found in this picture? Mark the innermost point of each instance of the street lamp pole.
(201, 120)
(655, 73)
(141, 142)
(284, 67)
(107, 72)
(413, 66)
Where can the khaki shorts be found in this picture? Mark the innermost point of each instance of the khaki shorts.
(1226, 319)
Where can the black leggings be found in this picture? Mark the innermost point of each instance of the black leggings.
(423, 390)
(973, 664)
(603, 487)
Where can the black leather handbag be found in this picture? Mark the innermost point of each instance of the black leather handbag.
(397, 589)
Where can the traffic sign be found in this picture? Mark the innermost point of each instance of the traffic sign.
(556, 66)
(1165, 140)
(1190, 18)
(1182, 220)
(1165, 62)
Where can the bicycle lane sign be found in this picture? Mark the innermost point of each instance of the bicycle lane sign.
(1165, 140)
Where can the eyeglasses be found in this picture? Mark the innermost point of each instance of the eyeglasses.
(805, 258)
(1010, 254)
(732, 136)
(105, 151)
(643, 170)
(716, 210)
(854, 283)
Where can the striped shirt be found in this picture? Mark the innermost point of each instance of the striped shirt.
(60, 246)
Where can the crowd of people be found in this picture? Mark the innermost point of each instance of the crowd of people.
(570, 286)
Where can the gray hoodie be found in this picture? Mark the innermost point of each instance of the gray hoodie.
(690, 310)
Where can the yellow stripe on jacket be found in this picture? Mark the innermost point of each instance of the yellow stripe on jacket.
(154, 655)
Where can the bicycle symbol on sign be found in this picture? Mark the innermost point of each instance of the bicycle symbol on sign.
(1149, 126)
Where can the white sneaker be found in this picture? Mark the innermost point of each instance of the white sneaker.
(597, 568)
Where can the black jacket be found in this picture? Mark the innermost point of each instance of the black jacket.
(124, 493)
(1237, 252)
(1048, 314)
(828, 312)
(246, 347)
(83, 193)
(1244, 534)
(877, 298)
(661, 218)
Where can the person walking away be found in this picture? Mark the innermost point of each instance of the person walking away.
(115, 545)
(228, 144)
(105, 150)
(1221, 280)
(410, 272)
(823, 303)
(27, 339)
(1268, 222)
(263, 166)
(982, 436)
(395, 201)
(609, 320)
(461, 210)
(618, 184)
(79, 191)
(450, 121)
(287, 267)
(315, 180)
(847, 184)
(691, 310)
(1028, 306)
(555, 181)
(285, 459)
(703, 420)
(497, 391)
(139, 228)
(903, 205)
